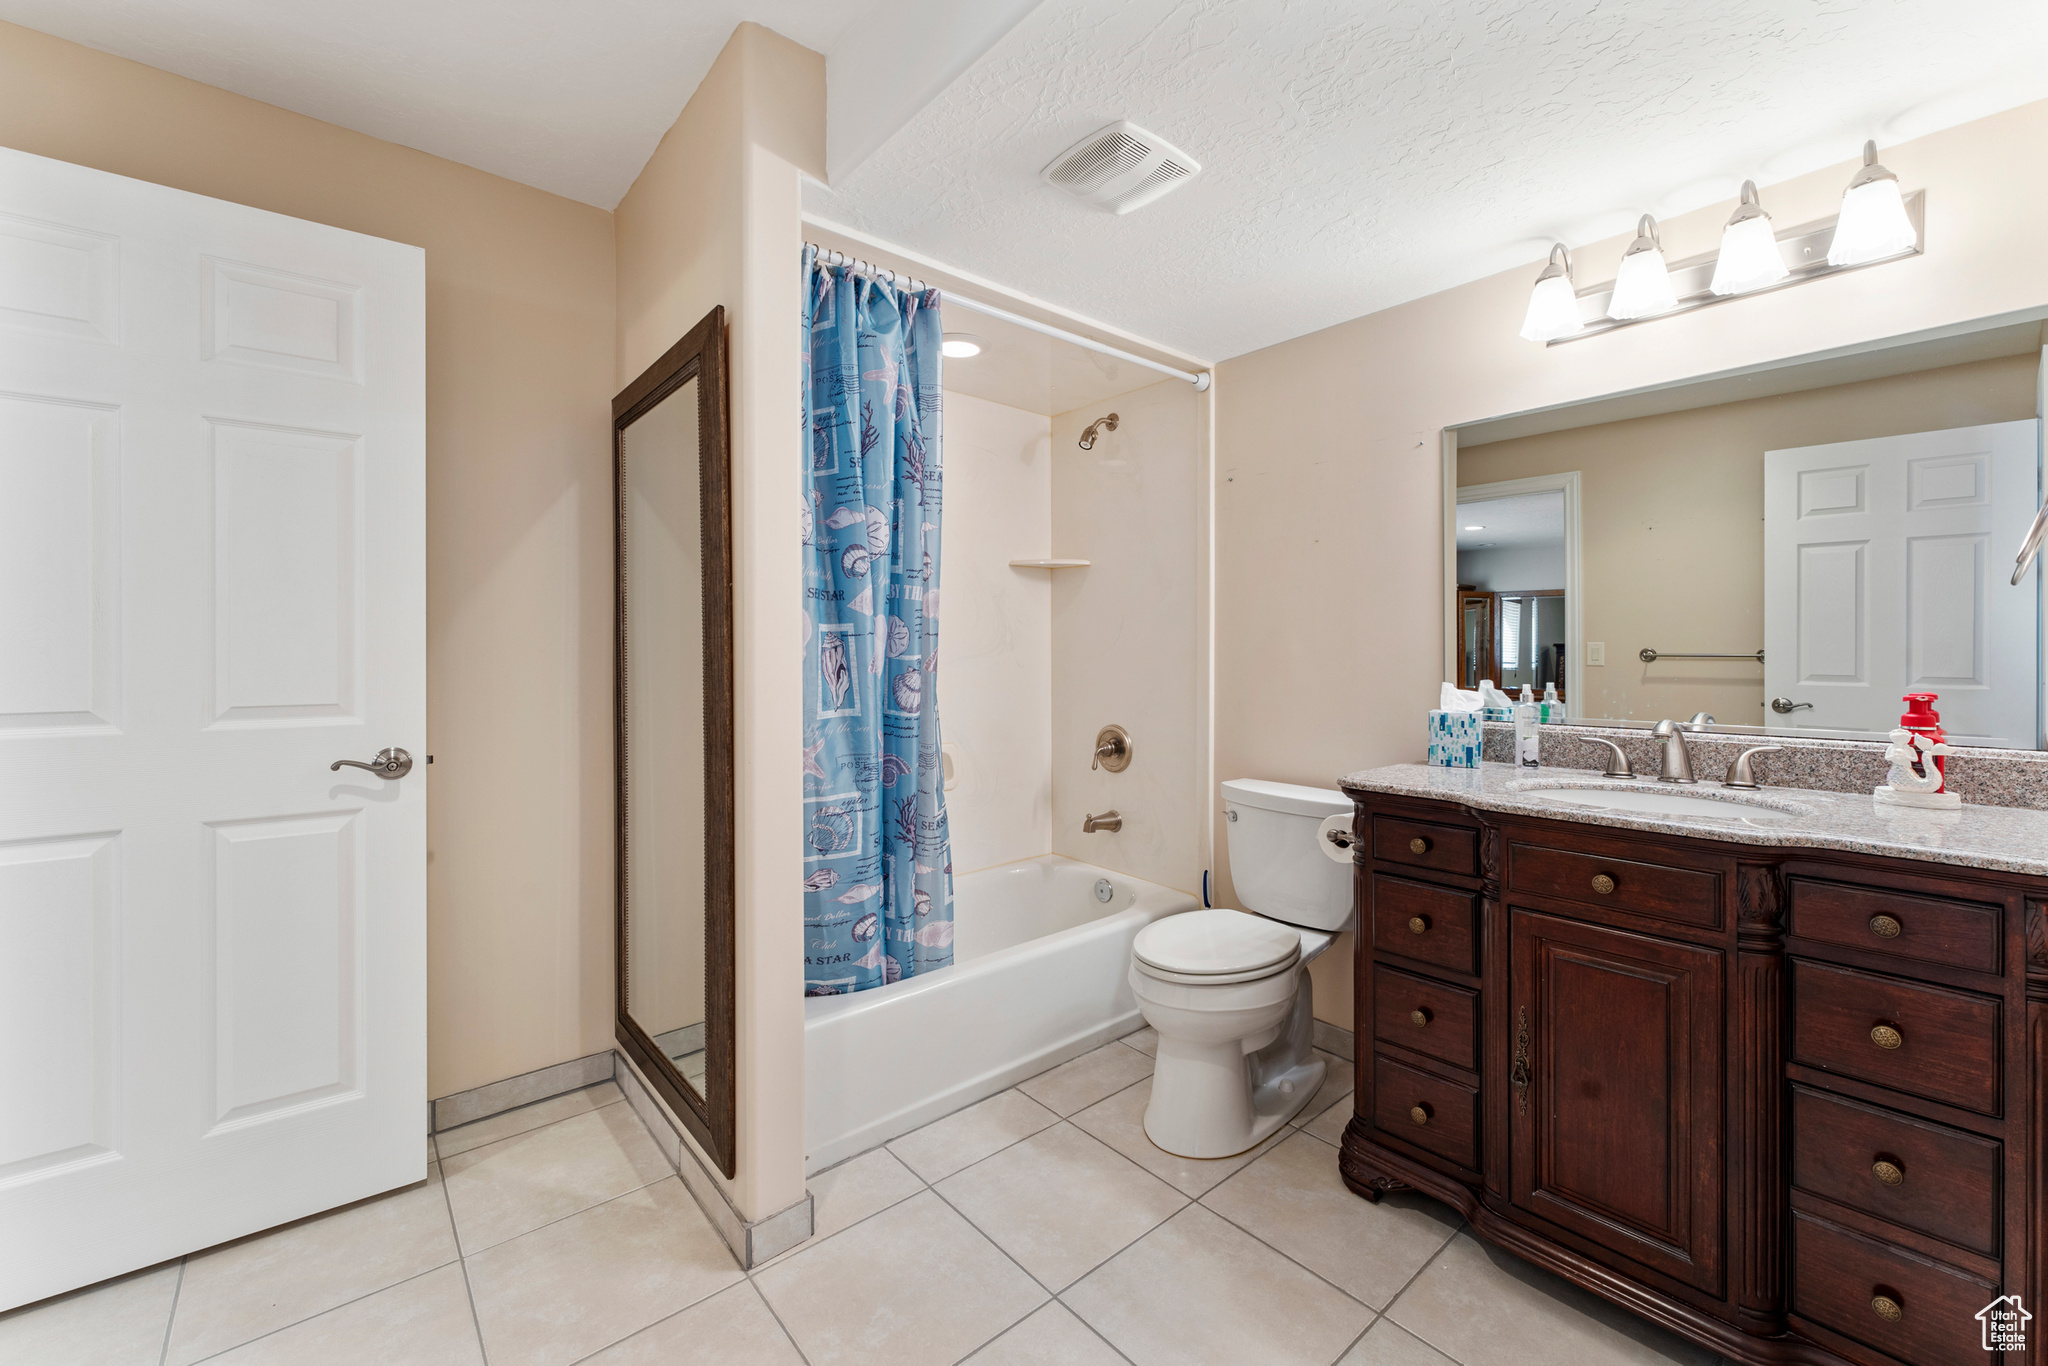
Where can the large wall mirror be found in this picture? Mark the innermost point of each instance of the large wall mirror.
(674, 681)
(1785, 551)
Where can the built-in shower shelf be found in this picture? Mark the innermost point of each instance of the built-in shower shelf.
(1048, 564)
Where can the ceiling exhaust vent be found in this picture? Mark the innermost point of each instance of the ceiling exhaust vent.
(1120, 168)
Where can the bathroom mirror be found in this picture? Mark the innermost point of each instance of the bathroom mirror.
(1783, 551)
(674, 697)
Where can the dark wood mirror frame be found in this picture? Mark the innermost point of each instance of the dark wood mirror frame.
(700, 355)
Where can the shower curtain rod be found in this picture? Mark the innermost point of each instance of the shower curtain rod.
(829, 257)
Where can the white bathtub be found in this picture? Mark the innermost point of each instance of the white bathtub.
(1038, 977)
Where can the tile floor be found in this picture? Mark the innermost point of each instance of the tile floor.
(1038, 1226)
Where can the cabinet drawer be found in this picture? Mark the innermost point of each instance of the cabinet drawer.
(1943, 1044)
(1685, 895)
(1958, 934)
(1429, 1017)
(1935, 1180)
(1424, 922)
(1438, 1116)
(1445, 848)
(1837, 1277)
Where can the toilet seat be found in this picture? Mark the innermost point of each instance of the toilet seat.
(1215, 948)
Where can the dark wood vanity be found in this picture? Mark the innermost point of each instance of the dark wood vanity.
(1788, 1102)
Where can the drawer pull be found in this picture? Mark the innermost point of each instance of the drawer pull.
(1418, 924)
(1887, 1308)
(1888, 1172)
(1418, 845)
(1419, 1113)
(1602, 883)
(1418, 1017)
(1884, 1036)
(1884, 927)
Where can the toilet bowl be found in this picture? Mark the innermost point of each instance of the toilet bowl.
(1228, 992)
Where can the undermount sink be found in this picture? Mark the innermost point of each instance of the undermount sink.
(1725, 806)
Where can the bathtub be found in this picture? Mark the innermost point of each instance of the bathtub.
(1038, 977)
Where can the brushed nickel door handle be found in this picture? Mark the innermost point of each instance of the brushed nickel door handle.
(389, 763)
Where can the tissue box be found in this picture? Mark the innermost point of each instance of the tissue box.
(1454, 739)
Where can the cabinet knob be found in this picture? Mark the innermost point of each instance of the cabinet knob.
(1418, 845)
(1884, 1036)
(1418, 1017)
(1602, 883)
(1418, 923)
(1888, 1172)
(1884, 927)
(1419, 1113)
(1887, 1308)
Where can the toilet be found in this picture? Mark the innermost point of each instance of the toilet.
(1229, 992)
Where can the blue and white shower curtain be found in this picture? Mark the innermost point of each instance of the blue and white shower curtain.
(878, 884)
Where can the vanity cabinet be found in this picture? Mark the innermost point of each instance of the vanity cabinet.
(1786, 1101)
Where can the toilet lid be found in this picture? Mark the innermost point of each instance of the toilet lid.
(1213, 943)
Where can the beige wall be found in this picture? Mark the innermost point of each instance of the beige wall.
(1674, 504)
(1329, 527)
(1126, 632)
(995, 691)
(519, 325)
(714, 219)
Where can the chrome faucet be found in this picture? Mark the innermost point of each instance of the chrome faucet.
(1674, 763)
(1108, 820)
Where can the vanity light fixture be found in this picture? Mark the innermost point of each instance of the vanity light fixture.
(960, 345)
(1554, 303)
(1873, 224)
(1750, 258)
(1642, 288)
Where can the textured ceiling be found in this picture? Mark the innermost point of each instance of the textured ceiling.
(568, 96)
(1356, 155)
(1520, 522)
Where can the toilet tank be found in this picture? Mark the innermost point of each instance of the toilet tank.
(1277, 864)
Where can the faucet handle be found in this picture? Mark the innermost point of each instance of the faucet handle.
(1617, 760)
(1738, 772)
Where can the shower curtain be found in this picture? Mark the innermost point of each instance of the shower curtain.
(878, 884)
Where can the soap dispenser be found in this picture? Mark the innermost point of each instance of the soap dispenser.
(1528, 745)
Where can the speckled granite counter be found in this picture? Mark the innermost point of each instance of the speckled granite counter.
(2003, 838)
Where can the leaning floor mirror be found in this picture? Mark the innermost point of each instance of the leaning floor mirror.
(673, 679)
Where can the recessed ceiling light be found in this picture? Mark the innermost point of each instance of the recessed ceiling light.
(960, 345)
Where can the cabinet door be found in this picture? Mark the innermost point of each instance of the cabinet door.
(1616, 1091)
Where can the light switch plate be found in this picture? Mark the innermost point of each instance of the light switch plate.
(1596, 652)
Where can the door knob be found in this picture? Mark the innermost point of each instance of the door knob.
(1785, 706)
(389, 763)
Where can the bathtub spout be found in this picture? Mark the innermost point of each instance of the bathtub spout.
(1108, 820)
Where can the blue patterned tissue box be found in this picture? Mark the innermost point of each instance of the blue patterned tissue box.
(1454, 739)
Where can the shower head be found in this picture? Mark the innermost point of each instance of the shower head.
(1106, 424)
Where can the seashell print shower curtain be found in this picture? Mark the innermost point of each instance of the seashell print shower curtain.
(878, 867)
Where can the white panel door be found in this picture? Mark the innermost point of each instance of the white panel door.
(212, 947)
(1886, 568)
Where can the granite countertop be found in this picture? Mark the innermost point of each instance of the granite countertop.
(2003, 838)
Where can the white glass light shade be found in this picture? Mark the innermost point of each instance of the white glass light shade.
(1553, 310)
(1749, 258)
(1642, 287)
(1873, 225)
(960, 345)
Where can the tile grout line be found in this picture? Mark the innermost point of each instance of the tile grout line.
(285, 1327)
(1078, 1318)
(476, 1321)
(520, 1133)
(767, 1304)
(164, 1354)
(1428, 1262)
(1288, 1257)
